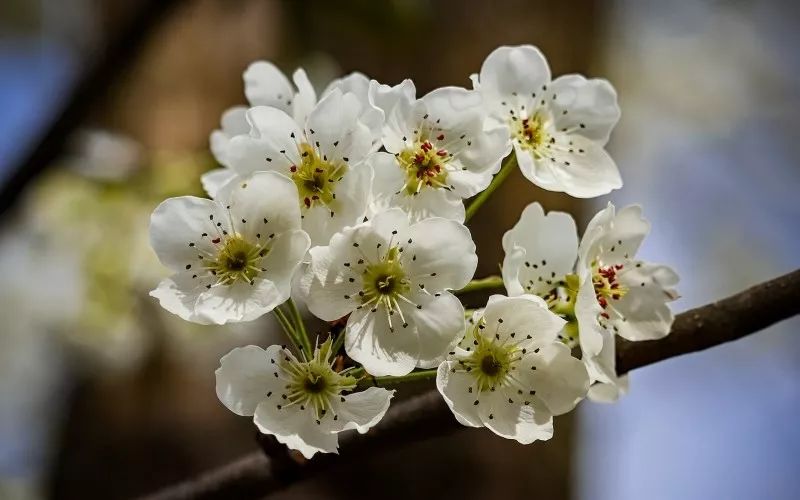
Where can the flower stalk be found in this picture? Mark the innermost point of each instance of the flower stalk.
(509, 165)
(489, 283)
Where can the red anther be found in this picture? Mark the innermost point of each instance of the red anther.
(315, 197)
(440, 137)
(293, 168)
(614, 286)
(603, 302)
(525, 121)
(616, 296)
(605, 315)
(618, 267)
(419, 158)
(318, 170)
(426, 146)
(438, 168)
(441, 152)
(307, 202)
(216, 240)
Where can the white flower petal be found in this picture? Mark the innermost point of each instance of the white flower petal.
(283, 260)
(524, 423)
(583, 170)
(295, 428)
(271, 145)
(587, 311)
(362, 410)
(439, 325)
(321, 222)
(369, 114)
(560, 380)
(524, 316)
(266, 85)
(326, 283)
(520, 70)
(237, 302)
(455, 389)
(178, 295)
(539, 248)
(234, 122)
(613, 238)
(245, 376)
(591, 106)
(305, 99)
(337, 131)
(176, 227)
(214, 180)
(369, 340)
(441, 254)
(609, 393)
(642, 313)
(262, 204)
(386, 98)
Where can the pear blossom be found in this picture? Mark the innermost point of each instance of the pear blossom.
(324, 159)
(266, 85)
(303, 403)
(437, 154)
(392, 278)
(510, 373)
(233, 258)
(558, 128)
(598, 285)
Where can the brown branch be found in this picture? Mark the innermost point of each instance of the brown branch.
(426, 416)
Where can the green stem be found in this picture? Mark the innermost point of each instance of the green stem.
(369, 380)
(509, 164)
(287, 328)
(300, 327)
(338, 342)
(489, 283)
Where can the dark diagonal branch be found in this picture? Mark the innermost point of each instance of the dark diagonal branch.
(426, 416)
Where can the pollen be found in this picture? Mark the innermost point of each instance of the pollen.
(425, 167)
(316, 177)
(531, 133)
(490, 361)
(237, 260)
(314, 384)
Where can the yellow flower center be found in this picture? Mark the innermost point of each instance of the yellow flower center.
(424, 165)
(237, 260)
(316, 177)
(531, 133)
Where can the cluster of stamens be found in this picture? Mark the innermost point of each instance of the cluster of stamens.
(316, 177)
(234, 258)
(531, 134)
(607, 286)
(492, 359)
(424, 165)
(313, 384)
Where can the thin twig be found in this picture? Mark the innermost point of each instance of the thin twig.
(427, 416)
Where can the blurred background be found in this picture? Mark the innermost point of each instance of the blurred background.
(105, 110)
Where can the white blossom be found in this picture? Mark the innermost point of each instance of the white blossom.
(392, 279)
(437, 153)
(598, 286)
(324, 158)
(266, 85)
(510, 373)
(304, 404)
(558, 128)
(233, 257)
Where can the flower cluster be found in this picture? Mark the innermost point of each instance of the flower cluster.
(353, 204)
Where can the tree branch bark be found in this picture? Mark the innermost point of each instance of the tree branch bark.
(426, 416)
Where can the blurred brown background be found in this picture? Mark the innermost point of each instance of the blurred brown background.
(128, 405)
